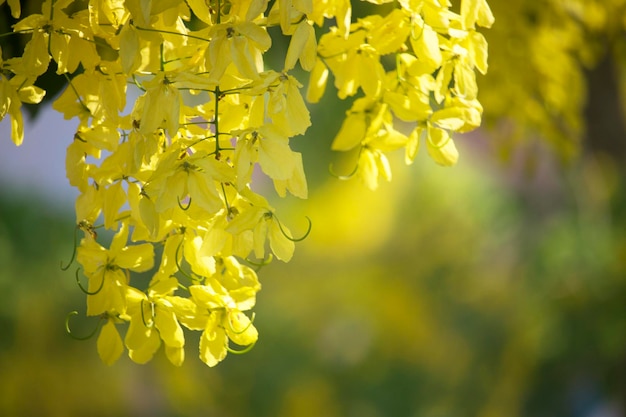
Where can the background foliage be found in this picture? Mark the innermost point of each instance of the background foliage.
(490, 289)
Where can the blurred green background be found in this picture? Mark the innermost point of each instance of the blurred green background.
(472, 291)
(496, 288)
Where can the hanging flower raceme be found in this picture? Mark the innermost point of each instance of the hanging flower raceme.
(173, 179)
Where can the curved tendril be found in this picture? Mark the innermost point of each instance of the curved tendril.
(65, 268)
(431, 143)
(261, 264)
(138, 83)
(232, 329)
(69, 331)
(242, 351)
(181, 206)
(143, 317)
(298, 239)
(83, 288)
(343, 177)
(178, 265)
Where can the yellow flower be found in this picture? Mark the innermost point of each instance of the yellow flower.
(441, 146)
(363, 120)
(317, 82)
(353, 61)
(220, 305)
(373, 164)
(239, 43)
(153, 317)
(285, 105)
(13, 92)
(161, 106)
(177, 172)
(302, 46)
(340, 10)
(476, 12)
(258, 216)
(107, 270)
(387, 34)
(94, 94)
(407, 101)
(178, 176)
(288, 11)
(63, 38)
(268, 147)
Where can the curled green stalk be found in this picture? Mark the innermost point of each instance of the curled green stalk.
(137, 83)
(87, 291)
(441, 145)
(232, 328)
(332, 172)
(178, 265)
(90, 335)
(65, 268)
(86, 227)
(298, 239)
(242, 351)
(261, 264)
(351, 174)
(143, 318)
(180, 204)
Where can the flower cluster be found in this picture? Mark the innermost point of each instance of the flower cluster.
(431, 81)
(172, 177)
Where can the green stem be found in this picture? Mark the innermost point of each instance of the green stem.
(90, 335)
(80, 100)
(216, 120)
(65, 268)
(162, 65)
(169, 32)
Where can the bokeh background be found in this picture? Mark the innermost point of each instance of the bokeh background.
(495, 288)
